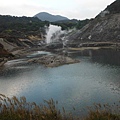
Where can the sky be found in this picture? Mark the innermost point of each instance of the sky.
(73, 9)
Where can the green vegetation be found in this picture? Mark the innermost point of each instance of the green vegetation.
(21, 27)
(19, 109)
(24, 24)
(70, 24)
(9, 23)
(82, 23)
(66, 25)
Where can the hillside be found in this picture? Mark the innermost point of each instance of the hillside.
(22, 24)
(105, 27)
(18, 34)
(114, 7)
(44, 16)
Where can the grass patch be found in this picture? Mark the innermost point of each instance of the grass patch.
(19, 109)
(104, 112)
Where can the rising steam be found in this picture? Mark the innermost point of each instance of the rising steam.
(53, 33)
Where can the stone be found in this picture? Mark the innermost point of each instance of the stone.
(54, 45)
(53, 60)
(2, 61)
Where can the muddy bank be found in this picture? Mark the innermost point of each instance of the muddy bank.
(60, 54)
(93, 44)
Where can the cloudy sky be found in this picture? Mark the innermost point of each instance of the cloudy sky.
(78, 9)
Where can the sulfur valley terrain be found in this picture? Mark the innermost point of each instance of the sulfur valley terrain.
(20, 35)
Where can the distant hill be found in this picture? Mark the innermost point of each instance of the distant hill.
(44, 16)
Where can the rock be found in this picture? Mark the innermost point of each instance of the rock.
(104, 28)
(53, 60)
(1, 46)
(4, 53)
(2, 61)
(28, 42)
(54, 45)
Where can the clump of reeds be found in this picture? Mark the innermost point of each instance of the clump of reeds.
(104, 112)
(19, 109)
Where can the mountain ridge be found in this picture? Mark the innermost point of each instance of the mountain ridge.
(44, 16)
(103, 28)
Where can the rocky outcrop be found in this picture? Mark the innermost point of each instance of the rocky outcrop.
(12, 45)
(16, 38)
(105, 27)
(4, 55)
(54, 45)
(28, 43)
(114, 7)
(2, 61)
(53, 60)
(101, 29)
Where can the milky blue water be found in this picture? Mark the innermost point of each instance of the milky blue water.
(96, 79)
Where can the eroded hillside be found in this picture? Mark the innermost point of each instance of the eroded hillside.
(105, 27)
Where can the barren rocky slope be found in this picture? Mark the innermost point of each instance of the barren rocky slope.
(105, 27)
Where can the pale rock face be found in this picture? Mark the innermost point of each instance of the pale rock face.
(101, 29)
(105, 27)
(104, 13)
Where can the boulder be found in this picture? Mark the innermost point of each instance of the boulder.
(53, 60)
(2, 61)
(54, 45)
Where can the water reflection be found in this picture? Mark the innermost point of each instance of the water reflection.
(103, 56)
(79, 85)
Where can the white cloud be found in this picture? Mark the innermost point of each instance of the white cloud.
(80, 9)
